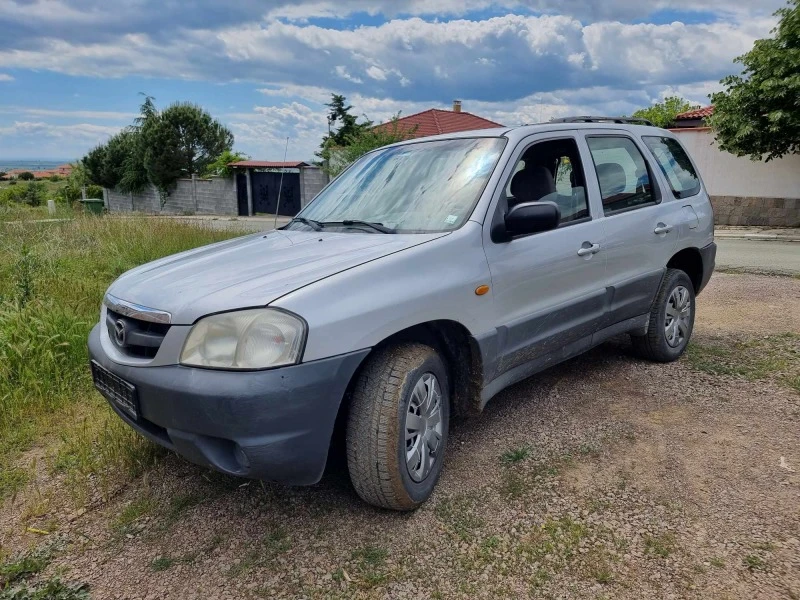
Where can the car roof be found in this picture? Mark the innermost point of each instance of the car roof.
(515, 134)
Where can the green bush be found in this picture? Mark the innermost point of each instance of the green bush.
(33, 193)
(55, 177)
(26, 176)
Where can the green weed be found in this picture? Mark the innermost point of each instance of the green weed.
(660, 545)
(770, 357)
(52, 280)
(516, 455)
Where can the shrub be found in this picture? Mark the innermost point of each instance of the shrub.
(26, 176)
(35, 193)
(55, 177)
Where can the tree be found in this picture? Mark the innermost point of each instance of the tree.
(181, 140)
(365, 140)
(662, 114)
(26, 176)
(158, 148)
(219, 166)
(759, 111)
(348, 126)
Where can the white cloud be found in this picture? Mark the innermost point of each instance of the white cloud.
(376, 73)
(68, 114)
(40, 128)
(342, 72)
(6, 77)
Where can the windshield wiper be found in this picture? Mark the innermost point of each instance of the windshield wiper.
(315, 225)
(348, 222)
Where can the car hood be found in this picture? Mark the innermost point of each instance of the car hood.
(251, 271)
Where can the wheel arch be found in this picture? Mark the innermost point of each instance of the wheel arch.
(690, 261)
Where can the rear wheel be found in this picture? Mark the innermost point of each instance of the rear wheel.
(397, 427)
(671, 319)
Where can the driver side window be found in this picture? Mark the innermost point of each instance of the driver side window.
(551, 171)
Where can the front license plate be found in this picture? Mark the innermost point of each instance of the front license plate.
(118, 391)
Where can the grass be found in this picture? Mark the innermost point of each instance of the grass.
(754, 562)
(770, 357)
(12, 479)
(661, 545)
(272, 545)
(516, 455)
(123, 523)
(52, 589)
(460, 514)
(23, 567)
(52, 280)
(370, 563)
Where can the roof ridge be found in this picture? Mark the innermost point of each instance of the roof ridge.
(436, 120)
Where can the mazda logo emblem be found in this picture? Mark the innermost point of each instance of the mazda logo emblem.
(119, 332)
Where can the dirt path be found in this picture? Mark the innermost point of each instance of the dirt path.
(606, 477)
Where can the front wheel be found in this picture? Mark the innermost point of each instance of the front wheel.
(671, 319)
(397, 427)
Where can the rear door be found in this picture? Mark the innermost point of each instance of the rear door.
(639, 228)
(548, 287)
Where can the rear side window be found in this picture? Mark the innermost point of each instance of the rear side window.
(622, 173)
(675, 165)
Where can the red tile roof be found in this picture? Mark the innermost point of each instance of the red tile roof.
(435, 122)
(697, 113)
(268, 164)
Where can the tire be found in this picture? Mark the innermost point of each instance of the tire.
(659, 344)
(383, 395)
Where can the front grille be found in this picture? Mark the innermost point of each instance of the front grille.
(135, 337)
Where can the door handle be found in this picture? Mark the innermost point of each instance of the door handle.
(661, 228)
(586, 250)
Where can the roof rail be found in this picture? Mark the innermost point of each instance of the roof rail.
(588, 119)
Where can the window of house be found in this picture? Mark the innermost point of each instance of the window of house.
(551, 171)
(622, 173)
(675, 164)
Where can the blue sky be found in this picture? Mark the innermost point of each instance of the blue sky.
(71, 71)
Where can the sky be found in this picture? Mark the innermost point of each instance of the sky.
(72, 72)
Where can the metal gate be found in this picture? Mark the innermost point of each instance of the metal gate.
(241, 194)
(265, 193)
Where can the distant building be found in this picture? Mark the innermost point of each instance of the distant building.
(694, 118)
(435, 122)
(743, 192)
(61, 170)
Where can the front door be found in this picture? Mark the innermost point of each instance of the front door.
(549, 288)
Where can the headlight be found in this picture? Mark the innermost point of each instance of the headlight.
(245, 339)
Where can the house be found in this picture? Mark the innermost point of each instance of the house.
(694, 118)
(435, 122)
(61, 170)
(743, 192)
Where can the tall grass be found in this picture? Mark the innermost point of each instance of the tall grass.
(52, 280)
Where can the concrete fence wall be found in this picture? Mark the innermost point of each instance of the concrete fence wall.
(312, 180)
(215, 196)
(745, 192)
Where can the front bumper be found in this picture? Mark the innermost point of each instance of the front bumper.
(274, 425)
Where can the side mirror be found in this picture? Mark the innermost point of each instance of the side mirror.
(531, 217)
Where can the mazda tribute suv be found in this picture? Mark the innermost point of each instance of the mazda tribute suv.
(421, 282)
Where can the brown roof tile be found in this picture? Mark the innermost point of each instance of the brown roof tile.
(435, 121)
(696, 113)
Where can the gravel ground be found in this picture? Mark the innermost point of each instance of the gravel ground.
(605, 477)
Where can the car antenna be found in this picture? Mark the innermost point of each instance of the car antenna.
(280, 186)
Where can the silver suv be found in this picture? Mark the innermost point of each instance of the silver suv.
(421, 282)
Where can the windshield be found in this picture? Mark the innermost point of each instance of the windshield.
(415, 188)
